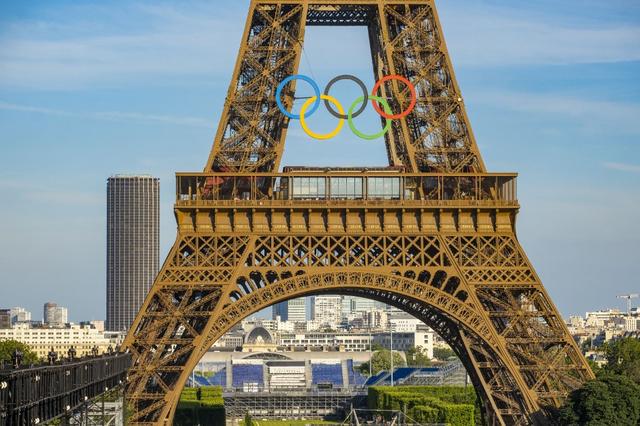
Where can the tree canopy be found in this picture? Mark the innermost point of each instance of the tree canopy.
(613, 398)
(609, 400)
(381, 361)
(8, 347)
(623, 357)
(417, 357)
(443, 354)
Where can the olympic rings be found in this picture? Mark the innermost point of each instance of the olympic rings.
(328, 100)
(412, 89)
(364, 102)
(324, 136)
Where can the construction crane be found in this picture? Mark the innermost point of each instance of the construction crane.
(628, 297)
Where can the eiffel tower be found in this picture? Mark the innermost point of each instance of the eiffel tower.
(441, 245)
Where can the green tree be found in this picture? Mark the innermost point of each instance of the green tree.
(594, 366)
(443, 354)
(417, 357)
(623, 357)
(248, 421)
(381, 361)
(609, 400)
(377, 347)
(8, 347)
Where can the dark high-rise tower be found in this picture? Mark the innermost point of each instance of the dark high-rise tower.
(133, 228)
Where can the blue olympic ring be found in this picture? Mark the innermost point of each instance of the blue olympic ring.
(313, 84)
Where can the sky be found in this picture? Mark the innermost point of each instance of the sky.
(91, 89)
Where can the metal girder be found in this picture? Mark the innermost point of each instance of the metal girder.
(443, 249)
(405, 37)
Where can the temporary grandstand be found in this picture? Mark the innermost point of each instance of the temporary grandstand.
(257, 375)
(276, 388)
(311, 389)
(450, 373)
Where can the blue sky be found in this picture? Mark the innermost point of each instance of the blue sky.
(90, 89)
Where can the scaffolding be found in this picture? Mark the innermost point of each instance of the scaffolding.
(295, 404)
(106, 410)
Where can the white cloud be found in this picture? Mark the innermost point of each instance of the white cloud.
(592, 113)
(112, 115)
(491, 36)
(179, 42)
(168, 43)
(623, 167)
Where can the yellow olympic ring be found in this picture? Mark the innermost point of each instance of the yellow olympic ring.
(321, 136)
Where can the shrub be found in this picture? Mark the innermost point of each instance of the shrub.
(208, 410)
(428, 404)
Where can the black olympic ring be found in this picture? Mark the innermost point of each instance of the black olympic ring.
(355, 80)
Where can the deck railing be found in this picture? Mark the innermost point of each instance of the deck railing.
(339, 188)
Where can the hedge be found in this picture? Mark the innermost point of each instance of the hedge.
(426, 414)
(208, 410)
(428, 404)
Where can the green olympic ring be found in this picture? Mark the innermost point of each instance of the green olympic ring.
(357, 132)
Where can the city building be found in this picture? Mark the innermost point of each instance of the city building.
(41, 340)
(54, 315)
(19, 314)
(356, 306)
(294, 310)
(327, 311)
(376, 319)
(422, 337)
(345, 342)
(603, 318)
(230, 341)
(404, 323)
(5, 318)
(271, 325)
(133, 245)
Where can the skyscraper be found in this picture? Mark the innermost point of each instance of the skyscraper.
(291, 310)
(54, 315)
(327, 310)
(133, 245)
(297, 309)
(5, 318)
(356, 305)
(19, 314)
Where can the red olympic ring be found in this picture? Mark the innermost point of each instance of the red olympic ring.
(409, 85)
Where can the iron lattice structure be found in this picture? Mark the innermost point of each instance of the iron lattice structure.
(443, 247)
(63, 390)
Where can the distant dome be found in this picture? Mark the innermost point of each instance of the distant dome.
(267, 355)
(259, 336)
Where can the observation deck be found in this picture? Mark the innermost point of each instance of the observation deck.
(355, 188)
(340, 200)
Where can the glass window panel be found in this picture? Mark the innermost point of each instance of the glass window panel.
(296, 187)
(384, 188)
(346, 187)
